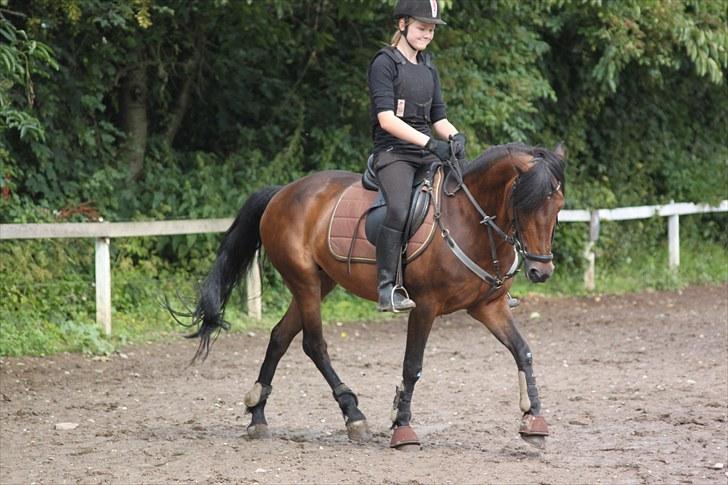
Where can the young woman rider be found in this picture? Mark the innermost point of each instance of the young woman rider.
(406, 107)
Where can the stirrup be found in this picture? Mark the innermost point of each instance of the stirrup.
(404, 306)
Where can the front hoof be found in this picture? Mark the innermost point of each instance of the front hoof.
(533, 425)
(537, 441)
(404, 439)
(259, 432)
(534, 430)
(358, 431)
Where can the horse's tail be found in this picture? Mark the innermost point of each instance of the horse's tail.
(234, 257)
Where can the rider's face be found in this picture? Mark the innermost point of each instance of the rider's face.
(420, 34)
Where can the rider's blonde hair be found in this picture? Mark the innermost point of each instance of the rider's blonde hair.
(398, 35)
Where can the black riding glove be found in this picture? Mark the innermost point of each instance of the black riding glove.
(439, 148)
(458, 145)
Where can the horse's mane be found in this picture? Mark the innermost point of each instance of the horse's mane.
(533, 185)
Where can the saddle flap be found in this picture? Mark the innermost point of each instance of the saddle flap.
(354, 203)
(419, 204)
(369, 178)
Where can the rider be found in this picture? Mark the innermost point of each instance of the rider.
(406, 107)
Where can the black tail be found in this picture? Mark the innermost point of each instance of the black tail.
(234, 257)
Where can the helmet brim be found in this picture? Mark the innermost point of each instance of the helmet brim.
(426, 20)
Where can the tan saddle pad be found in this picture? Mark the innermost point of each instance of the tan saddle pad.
(349, 215)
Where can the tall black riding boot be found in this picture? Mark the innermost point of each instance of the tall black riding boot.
(389, 248)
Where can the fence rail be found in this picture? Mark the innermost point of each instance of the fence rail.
(103, 232)
(113, 229)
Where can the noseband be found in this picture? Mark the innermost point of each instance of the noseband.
(496, 281)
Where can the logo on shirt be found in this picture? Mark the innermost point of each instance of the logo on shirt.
(433, 6)
(400, 108)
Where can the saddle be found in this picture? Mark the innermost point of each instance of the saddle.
(350, 240)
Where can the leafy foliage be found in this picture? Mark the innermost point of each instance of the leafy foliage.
(223, 97)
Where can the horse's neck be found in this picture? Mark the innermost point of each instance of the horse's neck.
(491, 188)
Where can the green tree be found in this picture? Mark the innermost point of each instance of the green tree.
(640, 91)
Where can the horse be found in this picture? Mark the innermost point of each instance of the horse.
(497, 211)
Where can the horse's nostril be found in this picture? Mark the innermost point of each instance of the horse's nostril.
(534, 274)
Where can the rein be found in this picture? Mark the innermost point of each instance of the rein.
(495, 281)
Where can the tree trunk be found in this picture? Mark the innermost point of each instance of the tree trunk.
(183, 98)
(135, 119)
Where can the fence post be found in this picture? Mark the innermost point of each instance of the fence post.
(103, 284)
(590, 272)
(673, 236)
(253, 289)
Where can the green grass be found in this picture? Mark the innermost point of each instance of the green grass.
(47, 294)
(699, 264)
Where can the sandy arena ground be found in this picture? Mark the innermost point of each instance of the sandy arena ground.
(634, 387)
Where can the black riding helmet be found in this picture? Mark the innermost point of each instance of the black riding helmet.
(426, 11)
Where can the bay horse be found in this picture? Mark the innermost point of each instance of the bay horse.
(500, 206)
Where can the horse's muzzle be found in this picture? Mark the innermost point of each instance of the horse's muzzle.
(539, 272)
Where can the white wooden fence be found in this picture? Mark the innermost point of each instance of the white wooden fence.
(104, 231)
(672, 211)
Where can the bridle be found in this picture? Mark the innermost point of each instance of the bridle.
(518, 239)
(495, 281)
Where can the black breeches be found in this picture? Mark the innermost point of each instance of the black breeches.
(395, 181)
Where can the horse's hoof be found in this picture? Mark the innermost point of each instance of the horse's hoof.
(259, 432)
(358, 431)
(534, 430)
(533, 425)
(535, 440)
(404, 439)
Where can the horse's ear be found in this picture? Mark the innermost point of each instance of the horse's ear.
(560, 151)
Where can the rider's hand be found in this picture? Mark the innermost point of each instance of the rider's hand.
(458, 145)
(439, 148)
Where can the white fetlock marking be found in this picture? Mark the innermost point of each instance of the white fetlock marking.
(395, 410)
(252, 398)
(525, 402)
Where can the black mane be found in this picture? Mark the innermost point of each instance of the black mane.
(533, 185)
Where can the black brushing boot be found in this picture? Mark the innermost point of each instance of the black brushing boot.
(389, 249)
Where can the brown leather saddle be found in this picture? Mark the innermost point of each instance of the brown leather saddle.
(360, 210)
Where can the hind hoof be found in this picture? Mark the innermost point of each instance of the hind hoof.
(358, 431)
(259, 432)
